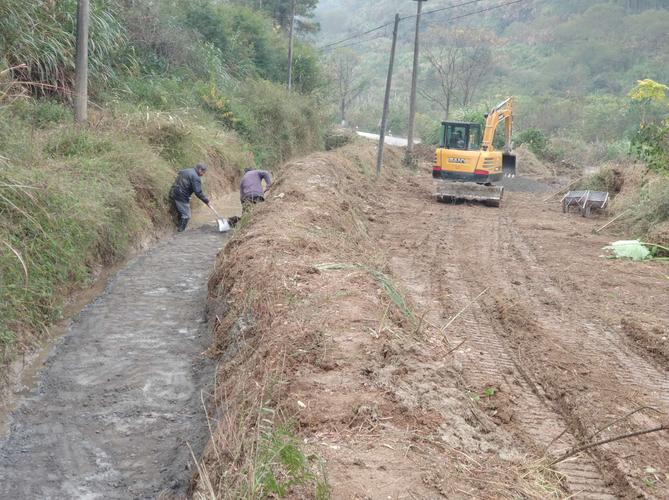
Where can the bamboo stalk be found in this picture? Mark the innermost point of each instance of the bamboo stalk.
(612, 221)
(563, 188)
(576, 451)
(443, 328)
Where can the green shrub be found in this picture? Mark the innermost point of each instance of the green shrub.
(536, 140)
(608, 178)
(76, 143)
(651, 145)
(42, 113)
(278, 125)
(245, 38)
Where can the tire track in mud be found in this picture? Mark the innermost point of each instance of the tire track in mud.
(119, 398)
(485, 356)
(599, 342)
(489, 360)
(602, 356)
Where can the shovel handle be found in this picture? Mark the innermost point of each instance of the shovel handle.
(214, 210)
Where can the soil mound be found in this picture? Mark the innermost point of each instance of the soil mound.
(333, 382)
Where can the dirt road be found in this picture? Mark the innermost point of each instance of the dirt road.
(560, 339)
(120, 396)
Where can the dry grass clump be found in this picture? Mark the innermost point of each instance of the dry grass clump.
(646, 202)
(531, 166)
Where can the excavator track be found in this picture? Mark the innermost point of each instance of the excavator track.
(454, 192)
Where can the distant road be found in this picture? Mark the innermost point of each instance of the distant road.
(390, 140)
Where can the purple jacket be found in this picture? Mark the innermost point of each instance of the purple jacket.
(252, 183)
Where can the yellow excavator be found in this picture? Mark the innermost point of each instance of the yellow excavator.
(467, 164)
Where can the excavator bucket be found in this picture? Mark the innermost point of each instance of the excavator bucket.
(509, 165)
(453, 192)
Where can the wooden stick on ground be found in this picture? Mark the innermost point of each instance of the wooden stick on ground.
(612, 221)
(605, 426)
(456, 347)
(620, 419)
(576, 451)
(563, 188)
(443, 328)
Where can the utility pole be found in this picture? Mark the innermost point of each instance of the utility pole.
(290, 45)
(414, 80)
(386, 100)
(81, 64)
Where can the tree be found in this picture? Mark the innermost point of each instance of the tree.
(348, 82)
(459, 62)
(649, 92)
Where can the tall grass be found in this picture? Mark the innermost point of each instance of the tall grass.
(37, 38)
(277, 125)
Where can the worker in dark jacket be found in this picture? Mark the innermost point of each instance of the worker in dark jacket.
(187, 182)
(251, 189)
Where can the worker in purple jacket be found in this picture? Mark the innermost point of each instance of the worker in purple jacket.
(251, 190)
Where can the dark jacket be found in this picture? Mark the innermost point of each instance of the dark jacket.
(251, 184)
(187, 183)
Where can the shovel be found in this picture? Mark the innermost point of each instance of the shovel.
(223, 224)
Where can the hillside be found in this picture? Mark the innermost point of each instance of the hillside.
(570, 64)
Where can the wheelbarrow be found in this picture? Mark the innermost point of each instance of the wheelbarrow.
(585, 201)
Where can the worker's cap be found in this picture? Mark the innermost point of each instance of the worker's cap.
(201, 167)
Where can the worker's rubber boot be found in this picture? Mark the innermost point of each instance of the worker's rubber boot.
(183, 222)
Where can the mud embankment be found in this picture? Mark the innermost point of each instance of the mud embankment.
(333, 380)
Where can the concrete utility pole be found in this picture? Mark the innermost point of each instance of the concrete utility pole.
(386, 100)
(414, 79)
(290, 45)
(81, 64)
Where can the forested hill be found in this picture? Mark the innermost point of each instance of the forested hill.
(570, 63)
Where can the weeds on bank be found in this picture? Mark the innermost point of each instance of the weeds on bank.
(280, 463)
(256, 451)
(384, 281)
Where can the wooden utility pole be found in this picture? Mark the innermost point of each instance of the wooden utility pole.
(414, 79)
(386, 100)
(81, 64)
(290, 45)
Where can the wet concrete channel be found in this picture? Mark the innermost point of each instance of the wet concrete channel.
(119, 402)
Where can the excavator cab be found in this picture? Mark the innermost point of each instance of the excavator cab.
(460, 135)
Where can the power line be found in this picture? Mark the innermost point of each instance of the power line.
(372, 30)
(488, 9)
(352, 37)
(381, 35)
(448, 7)
(434, 11)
